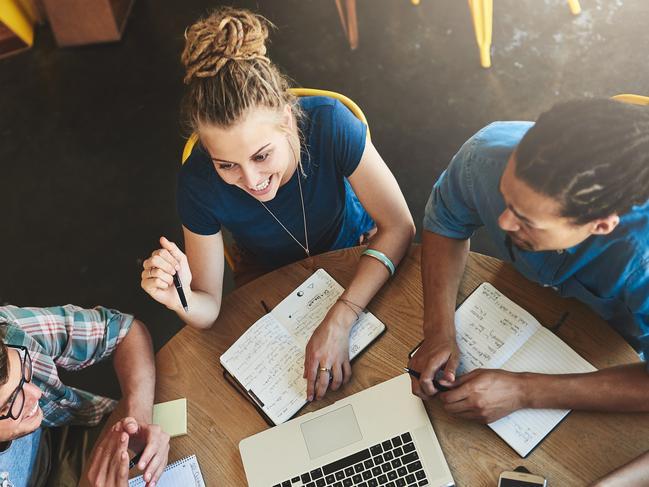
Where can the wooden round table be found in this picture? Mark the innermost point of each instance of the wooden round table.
(581, 449)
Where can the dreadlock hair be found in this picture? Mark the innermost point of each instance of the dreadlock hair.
(592, 155)
(227, 70)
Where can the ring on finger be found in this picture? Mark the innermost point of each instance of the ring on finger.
(328, 371)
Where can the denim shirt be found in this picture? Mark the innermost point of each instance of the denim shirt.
(609, 273)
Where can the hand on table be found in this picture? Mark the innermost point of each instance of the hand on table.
(329, 348)
(439, 353)
(485, 395)
(159, 269)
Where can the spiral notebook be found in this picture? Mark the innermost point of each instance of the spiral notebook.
(185, 472)
(267, 361)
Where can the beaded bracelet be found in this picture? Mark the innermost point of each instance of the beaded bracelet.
(382, 258)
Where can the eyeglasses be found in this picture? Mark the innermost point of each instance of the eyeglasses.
(16, 402)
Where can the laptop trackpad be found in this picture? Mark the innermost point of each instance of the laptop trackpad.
(331, 431)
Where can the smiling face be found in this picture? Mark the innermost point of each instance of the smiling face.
(534, 222)
(31, 416)
(255, 153)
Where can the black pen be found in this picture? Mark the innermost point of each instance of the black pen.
(417, 375)
(181, 293)
(134, 460)
(265, 306)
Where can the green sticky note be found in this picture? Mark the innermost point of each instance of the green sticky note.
(171, 416)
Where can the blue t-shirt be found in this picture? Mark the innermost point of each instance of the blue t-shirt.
(609, 273)
(333, 143)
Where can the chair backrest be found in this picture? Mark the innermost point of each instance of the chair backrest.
(634, 99)
(299, 92)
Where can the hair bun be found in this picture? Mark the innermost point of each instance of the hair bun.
(228, 34)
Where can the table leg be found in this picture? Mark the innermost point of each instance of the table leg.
(482, 13)
(349, 21)
(575, 8)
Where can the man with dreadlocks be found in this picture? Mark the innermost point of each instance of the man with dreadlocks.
(565, 200)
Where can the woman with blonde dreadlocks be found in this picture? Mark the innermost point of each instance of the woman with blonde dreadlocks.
(288, 178)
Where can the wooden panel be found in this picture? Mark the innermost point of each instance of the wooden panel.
(77, 22)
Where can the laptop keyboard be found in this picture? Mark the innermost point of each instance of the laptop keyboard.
(392, 463)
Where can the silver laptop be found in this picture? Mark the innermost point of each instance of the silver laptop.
(378, 437)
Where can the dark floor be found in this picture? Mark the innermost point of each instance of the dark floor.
(90, 139)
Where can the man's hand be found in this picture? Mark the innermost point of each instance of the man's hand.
(154, 445)
(485, 395)
(109, 463)
(439, 353)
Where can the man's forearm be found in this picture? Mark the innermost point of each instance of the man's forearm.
(633, 474)
(624, 389)
(135, 368)
(442, 265)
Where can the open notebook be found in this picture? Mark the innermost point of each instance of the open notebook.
(494, 332)
(267, 361)
(185, 473)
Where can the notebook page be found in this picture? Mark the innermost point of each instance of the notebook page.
(185, 472)
(268, 363)
(490, 328)
(545, 353)
(304, 309)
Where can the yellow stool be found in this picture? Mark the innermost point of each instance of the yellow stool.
(633, 99)
(17, 17)
(482, 14)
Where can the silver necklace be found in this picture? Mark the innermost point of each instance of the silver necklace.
(306, 234)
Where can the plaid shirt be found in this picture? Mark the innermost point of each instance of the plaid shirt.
(71, 338)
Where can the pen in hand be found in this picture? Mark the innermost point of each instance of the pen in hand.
(133, 462)
(181, 293)
(436, 383)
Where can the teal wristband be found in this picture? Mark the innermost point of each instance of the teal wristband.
(381, 257)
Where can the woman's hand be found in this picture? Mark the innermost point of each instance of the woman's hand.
(158, 272)
(328, 349)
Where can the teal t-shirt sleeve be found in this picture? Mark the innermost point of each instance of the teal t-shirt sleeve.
(450, 210)
(194, 211)
(348, 136)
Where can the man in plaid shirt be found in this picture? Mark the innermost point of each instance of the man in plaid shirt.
(33, 343)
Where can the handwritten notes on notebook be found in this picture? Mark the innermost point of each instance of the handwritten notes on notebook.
(268, 359)
(494, 332)
(185, 472)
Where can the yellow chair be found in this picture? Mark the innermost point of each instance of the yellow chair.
(633, 99)
(299, 92)
(482, 14)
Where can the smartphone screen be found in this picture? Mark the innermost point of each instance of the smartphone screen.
(517, 483)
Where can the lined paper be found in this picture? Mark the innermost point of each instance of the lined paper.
(543, 353)
(490, 328)
(268, 359)
(494, 332)
(185, 472)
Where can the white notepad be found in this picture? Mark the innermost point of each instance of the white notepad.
(185, 472)
(268, 359)
(493, 332)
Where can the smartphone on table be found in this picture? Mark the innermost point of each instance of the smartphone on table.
(520, 479)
